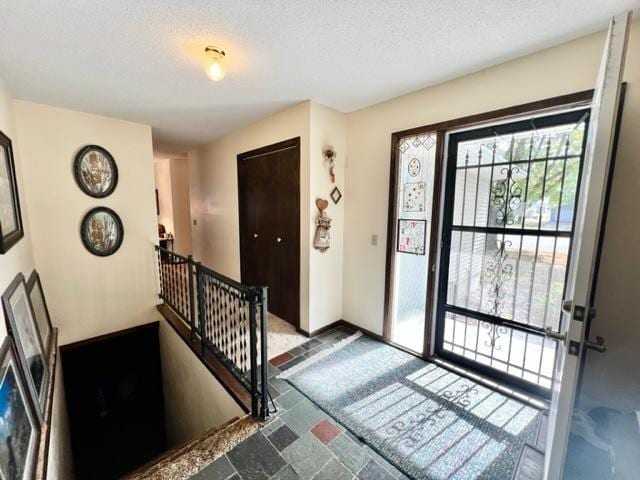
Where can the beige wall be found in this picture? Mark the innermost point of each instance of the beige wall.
(20, 259)
(327, 127)
(193, 403)
(559, 70)
(162, 174)
(181, 205)
(88, 295)
(214, 194)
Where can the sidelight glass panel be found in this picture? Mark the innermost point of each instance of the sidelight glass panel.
(414, 202)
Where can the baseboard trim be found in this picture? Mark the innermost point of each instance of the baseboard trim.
(341, 323)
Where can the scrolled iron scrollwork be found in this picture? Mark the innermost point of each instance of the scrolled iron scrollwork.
(498, 272)
(506, 196)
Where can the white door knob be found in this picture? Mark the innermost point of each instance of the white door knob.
(278, 239)
(255, 235)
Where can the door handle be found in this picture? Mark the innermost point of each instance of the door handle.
(550, 333)
(598, 345)
(278, 239)
(255, 235)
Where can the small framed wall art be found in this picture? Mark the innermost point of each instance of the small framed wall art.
(95, 171)
(40, 310)
(412, 236)
(20, 432)
(11, 230)
(102, 231)
(22, 326)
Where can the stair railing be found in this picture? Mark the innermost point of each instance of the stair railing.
(228, 319)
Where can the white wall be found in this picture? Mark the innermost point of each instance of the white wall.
(567, 68)
(327, 127)
(196, 402)
(89, 295)
(20, 259)
(214, 194)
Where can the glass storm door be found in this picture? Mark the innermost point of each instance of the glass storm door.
(412, 256)
(511, 191)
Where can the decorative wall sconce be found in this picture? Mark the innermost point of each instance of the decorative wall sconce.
(330, 155)
(323, 224)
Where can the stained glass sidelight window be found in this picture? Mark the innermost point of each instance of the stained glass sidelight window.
(414, 201)
(508, 236)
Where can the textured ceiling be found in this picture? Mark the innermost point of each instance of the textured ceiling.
(141, 60)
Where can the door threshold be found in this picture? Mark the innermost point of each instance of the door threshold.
(521, 395)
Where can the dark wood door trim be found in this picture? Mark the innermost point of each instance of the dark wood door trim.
(293, 143)
(441, 128)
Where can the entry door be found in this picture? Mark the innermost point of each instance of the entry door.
(508, 224)
(580, 291)
(269, 216)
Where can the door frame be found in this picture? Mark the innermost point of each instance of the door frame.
(441, 129)
(292, 143)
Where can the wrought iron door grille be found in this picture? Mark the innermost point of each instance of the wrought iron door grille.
(509, 209)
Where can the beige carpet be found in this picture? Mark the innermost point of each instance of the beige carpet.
(282, 337)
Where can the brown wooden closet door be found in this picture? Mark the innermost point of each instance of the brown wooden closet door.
(269, 204)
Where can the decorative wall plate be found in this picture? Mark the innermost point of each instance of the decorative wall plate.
(102, 231)
(95, 171)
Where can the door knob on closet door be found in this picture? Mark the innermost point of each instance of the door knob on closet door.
(278, 239)
(255, 235)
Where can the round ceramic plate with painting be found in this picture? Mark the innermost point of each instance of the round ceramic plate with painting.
(102, 231)
(95, 171)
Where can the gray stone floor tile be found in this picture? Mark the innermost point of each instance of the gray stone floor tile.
(272, 371)
(349, 453)
(273, 425)
(334, 470)
(307, 456)
(220, 469)
(302, 417)
(281, 385)
(373, 471)
(291, 363)
(283, 437)
(287, 473)
(310, 344)
(289, 399)
(297, 351)
(255, 458)
(383, 462)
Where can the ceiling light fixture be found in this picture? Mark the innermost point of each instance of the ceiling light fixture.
(213, 64)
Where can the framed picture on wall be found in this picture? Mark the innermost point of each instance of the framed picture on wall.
(95, 171)
(40, 310)
(412, 236)
(101, 231)
(22, 326)
(11, 230)
(20, 429)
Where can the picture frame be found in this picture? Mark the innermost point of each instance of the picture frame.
(23, 328)
(20, 436)
(102, 231)
(40, 310)
(95, 171)
(11, 227)
(412, 236)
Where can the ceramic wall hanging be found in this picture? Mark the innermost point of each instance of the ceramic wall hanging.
(322, 239)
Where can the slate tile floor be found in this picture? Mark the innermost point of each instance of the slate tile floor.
(300, 441)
